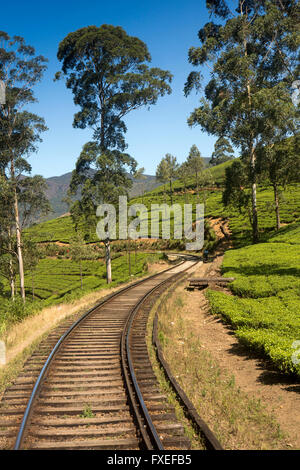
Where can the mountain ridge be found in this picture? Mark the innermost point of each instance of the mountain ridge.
(57, 188)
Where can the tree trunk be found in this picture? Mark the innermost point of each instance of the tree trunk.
(129, 258)
(18, 235)
(171, 192)
(11, 270)
(81, 274)
(197, 187)
(32, 278)
(11, 279)
(108, 261)
(276, 206)
(253, 197)
(252, 150)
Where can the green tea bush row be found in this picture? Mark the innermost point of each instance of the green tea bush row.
(265, 308)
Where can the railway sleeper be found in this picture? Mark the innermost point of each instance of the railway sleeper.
(73, 434)
(92, 444)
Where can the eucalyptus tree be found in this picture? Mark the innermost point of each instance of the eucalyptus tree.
(162, 174)
(20, 71)
(172, 168)
(223, 152)
(184, 172)
(236, 193)
(252, 53)
(108, 181)
(107, 72)
(32, 204)
(280, 164)
(8, 252)
(196, 164)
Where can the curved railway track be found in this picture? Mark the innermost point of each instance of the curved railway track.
(97, 389)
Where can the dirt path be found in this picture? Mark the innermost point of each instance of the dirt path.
(253, 375)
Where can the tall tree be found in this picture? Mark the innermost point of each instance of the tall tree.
(20, 70)
(253, 58)
(196, 164)
(184, 173)
(109, 181)
(172, 168)
(162, 174)
(107, 71)
(236, 193)
(32, 203)
(8, 252)
(223, 152)
(280, 164)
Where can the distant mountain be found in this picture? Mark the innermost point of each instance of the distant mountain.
(59, 185)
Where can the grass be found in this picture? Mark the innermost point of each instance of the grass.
(238, 421)
(264, 309)
(11, 370)
(87, 412)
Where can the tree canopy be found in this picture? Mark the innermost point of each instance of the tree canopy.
(253, 56)
(107, 71)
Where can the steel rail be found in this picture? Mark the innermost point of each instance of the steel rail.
(151, 438)
(202, 427)
(42, 376)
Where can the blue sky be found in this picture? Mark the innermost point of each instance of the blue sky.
(169, 28)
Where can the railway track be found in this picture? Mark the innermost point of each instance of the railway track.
(96, 389)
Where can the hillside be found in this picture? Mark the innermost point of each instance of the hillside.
(265, 296)
(59, 185)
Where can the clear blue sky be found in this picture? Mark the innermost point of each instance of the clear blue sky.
(168, 27)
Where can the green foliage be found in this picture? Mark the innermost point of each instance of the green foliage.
(62, 229)
(223, 152)
(264, 309)
(106, 63)
(107, 72)
(57, 280)
(253, 56)
(289, 234)
(14, 311)
(20, 133)
(87, 412)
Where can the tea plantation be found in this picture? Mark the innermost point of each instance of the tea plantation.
(58, 280)
(264, 310)
(265, 305)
